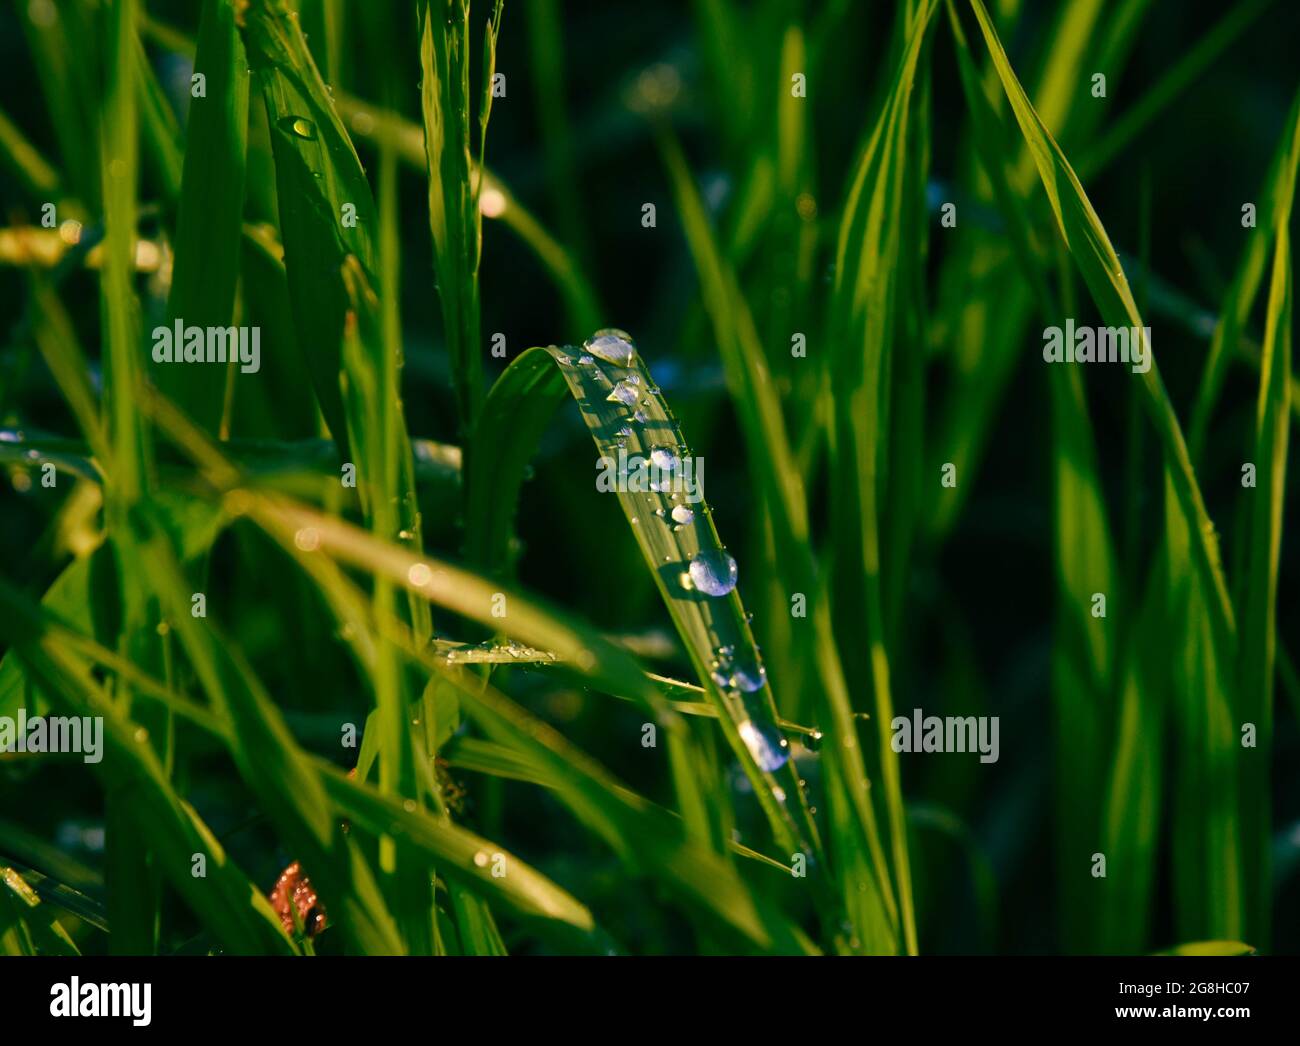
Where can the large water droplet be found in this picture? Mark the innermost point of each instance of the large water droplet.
(299, 127)
(764, 745)
(713, 571)
(664, 459)
(624, 393)
(682, 515)
(612, 345)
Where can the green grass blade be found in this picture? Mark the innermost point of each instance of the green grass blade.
(320, 186)
(1091, 249)
(227, 903)
(1259, 616)
(209, 223)
(454, 189)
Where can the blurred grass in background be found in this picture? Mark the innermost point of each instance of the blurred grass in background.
(495, 630)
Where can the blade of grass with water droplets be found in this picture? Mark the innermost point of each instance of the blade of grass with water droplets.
(636, 433)
(326, 208)
(855, 836)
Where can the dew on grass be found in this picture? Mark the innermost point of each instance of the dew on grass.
(663, 459)
(764, 745)
(682, 515)
(748, 676)
(713, 571)
(299, 127)
(624, 392)
(612, 345)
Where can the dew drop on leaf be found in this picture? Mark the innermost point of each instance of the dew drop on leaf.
(713, 571)
(763, 745)
(612, 345)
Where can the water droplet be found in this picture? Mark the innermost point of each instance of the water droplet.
(623, 393)
(813, 741)
(713, 571)
(586, 360)
(409, 806)
(481, 859)
(564, 360)
(749, 676)
(763, 745)
(640, 416)
(682, 515)
(612, 345)
(299, 126)
(664, 459)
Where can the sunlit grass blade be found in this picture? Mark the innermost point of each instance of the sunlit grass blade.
(1091, 249)
(455, 187)
(631, 423)
(868, 294)
(1259, 615)
(873, 911)
(27, 926)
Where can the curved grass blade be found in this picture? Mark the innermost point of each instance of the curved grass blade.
(1104, 275)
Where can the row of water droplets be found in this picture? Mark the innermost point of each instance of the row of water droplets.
(711, 571)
